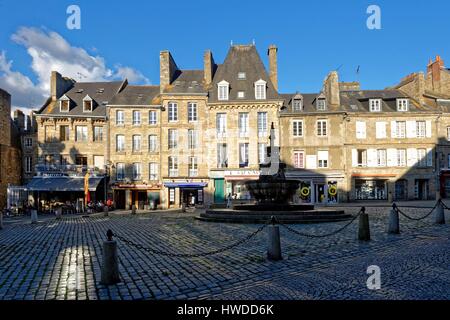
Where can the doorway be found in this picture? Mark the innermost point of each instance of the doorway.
(320, 193)
(421, 189)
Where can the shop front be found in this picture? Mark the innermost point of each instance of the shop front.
(189, 193)
(317, 189)
(142, 196)
(235, 183)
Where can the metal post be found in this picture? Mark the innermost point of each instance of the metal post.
(364, 228)
(274, 243)
(34, 216)
(105, 210)
(58, 213)
(439, 216)
(110, 267)
(394, 221)
(133, 209)
(1, 219)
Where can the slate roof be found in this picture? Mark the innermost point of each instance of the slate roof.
(355, 101)
(187, 81)
(242, 58)
(137, 96)
(100, 92)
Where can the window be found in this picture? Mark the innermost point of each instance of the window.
(262, 153)
(120, 118)
(64, 159)
(321, 104)
(360, 130)
(262, 124)
(322, 128)
(421, 158)
(64, 105)
(260, 90)
(153, 171)
(136, 118)
(120, 143)
(192, 112)
(400, 127)
(28, 142)
(223, 89)
(136, 143)
(322, 156)
(173, 167)
(402, 105)
(64, 133)
(48, 134)
(98, 134)
(401, 157)
(221, 125)
(242, 76)
(152, 143)
(243, 155)
(120, 171)
(87, 104)
(152, 117)
(137, 171)
(381, 158)
(81, 160)
(297, 128)
(375, 105)
(361, 158)
(222, 155)
(241, 94)
(243, 125)
(28, 164)
(421, 129)
(297, 104)
(173, 112)
(81, 133)
(299, 159)
(193, 167)
(173, 139)
(192, 139)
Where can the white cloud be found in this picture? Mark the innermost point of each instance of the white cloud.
(50, 51)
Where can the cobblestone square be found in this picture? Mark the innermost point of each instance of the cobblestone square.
(61, 259)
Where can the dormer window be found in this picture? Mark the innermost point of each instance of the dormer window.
(242, 76)
(87, 104)
(402, 105)
(223, 90)
(260, 89)
(375, 105)
(64, 104)
(297, 103)
(321, 104)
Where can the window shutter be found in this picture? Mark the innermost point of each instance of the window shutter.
(360, 130)
(311, 162)
(381, 130)
(411, 156)
(428, 128)
(429, 157)
(391, 157)
(411, 129)
(354, 158)
(372, 158)
(393, 129)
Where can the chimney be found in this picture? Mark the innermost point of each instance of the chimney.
(167, 69)
(273, 67)
(349, 86)
(331, 89)
(19, 119)
(209, 67)
(434, 72)
(59, 85)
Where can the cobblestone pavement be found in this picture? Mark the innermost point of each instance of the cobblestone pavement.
(62, 260)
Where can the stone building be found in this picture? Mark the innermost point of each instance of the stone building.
(10, 154)
(27, 127)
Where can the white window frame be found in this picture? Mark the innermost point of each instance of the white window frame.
(28, 142)
(262, 124)
(120, 120)
(402, 105)
(222, 158)
(64, 99)
(223, 89)
(241, 95)
(137, 171)
(375, 105)
(88, 99)
(221, 125)
(136, 118)
(28, 164)
(152, 145)
(120, 145)
(172, 111)
(299, 106)
(299, 154)
(173, 166)
(84, 135)
(120, 171)
(136, 143)
(242, 75)
(96, 136)
(322, 128)
(321, 104)
(421, 129)
(323, 162)
(244, 124)
(381, 157)
(172, 135)
(297, 128)
(192, 112)
(192, 139)
(260, 89)
(422, 158)
(400, 134)
(262, 153)
(244, 148)
(152, 117)
(401, 158)
(193, 167)
(153, 171)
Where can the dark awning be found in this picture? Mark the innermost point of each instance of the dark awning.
(68, 184)
(185, 184)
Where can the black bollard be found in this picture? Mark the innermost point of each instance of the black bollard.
(274, 243)
(110, 266)
(364, 228)
(394, 221)
(439, 216)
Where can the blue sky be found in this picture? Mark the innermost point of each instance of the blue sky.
(314, 37)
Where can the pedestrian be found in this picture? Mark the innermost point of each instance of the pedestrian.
(229, 201)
